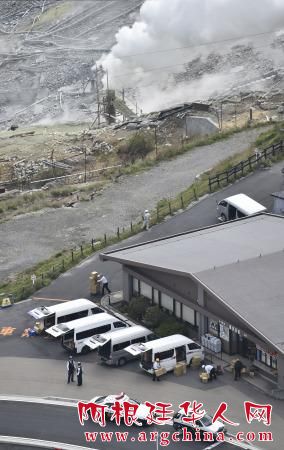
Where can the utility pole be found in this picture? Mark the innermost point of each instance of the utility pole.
(156, 143)
(98, 97)
(85, 174)
(123, 94)
(107, 79)
(221, 116)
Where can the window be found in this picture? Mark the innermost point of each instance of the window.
(135, 286)
(193, 346)
(68, 336)
(97, 310)
(88, 333)
(145, 290)
(167, 302)
(138, 340)
(223, 203)
(188, 314)
(121, 346)
(240, 214)
(119, 325)
(165, 355)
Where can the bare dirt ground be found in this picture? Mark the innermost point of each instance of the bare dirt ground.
(33, 237)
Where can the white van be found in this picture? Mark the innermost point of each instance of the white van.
(112, 345)
(47, 316)
(170, 350)
(73, 334)
(236, 207)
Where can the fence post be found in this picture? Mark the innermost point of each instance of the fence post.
(105, 238)
(195, 193)
(265, 153)
(42, 279)
(53, 269)
(218, 180)
(63, 265)
(92, 244)
(227, 175)
(131, 226)
(249, 160)
(117, 232)
(209, 183)
(242, 168)
(273, 150)
(81, 247)
(72, 255)
(235, 172)
(170, 208)
(181, 201)
(157, 212)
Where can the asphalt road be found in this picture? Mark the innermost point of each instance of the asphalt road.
(259, 186)
(46, 422)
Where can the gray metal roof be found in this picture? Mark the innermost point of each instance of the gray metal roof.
(278, 194)
(242, 262)
(219, 245)
(254, 290)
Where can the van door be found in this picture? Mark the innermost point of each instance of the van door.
(167, 359)
(181, 354)
(194, 349)
(232, 212)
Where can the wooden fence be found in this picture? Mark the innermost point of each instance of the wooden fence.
(245, 166)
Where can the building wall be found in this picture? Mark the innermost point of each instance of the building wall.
(200, 126)
(188, 299)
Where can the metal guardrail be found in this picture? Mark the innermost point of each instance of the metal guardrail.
(239, 169)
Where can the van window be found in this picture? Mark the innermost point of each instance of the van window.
(240, 214)
(119, 324)
(120, 346)
(165, 355)
(69, 336)
(138, 340)
(223, 203)
(97, 310)
(232, 212)
(104, 350)
(193, 346)
(49, 321)
(88, 333)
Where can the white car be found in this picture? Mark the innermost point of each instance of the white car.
(203, 424)
(142, 412)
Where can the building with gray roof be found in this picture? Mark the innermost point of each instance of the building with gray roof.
(225, 280)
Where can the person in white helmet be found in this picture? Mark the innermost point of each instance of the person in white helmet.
(146, 219)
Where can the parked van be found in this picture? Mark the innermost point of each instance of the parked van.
(111, 346)
(170, 350)
(47, 316)
(73, 334)
(236, 207)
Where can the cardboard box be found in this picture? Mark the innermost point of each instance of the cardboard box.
(204, 377)
(180, 369)
(160, 372)
(195, 362)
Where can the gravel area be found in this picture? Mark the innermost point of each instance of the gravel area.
(33, 237)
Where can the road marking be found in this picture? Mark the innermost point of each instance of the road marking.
(38, 443)
(7, 331)
(51, 299)
(44, 401)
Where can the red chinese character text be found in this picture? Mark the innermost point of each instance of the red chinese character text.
(219, 415)
(261, 413)
(160, 413)
(192, 411)
(93, 410)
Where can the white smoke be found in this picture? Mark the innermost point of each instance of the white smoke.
(169, 33)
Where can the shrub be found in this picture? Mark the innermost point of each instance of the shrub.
(137, 147)
(171, 326)
(154, 317)
(137, 307)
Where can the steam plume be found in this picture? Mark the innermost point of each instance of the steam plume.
(144, 54)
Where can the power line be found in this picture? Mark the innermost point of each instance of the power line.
(200, 45)
(126, 74)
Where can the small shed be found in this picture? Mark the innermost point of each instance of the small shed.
(278, 205)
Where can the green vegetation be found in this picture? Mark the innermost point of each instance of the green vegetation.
(46, 271)
(138, 147)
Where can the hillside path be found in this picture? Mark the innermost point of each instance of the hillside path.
(33, 237)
